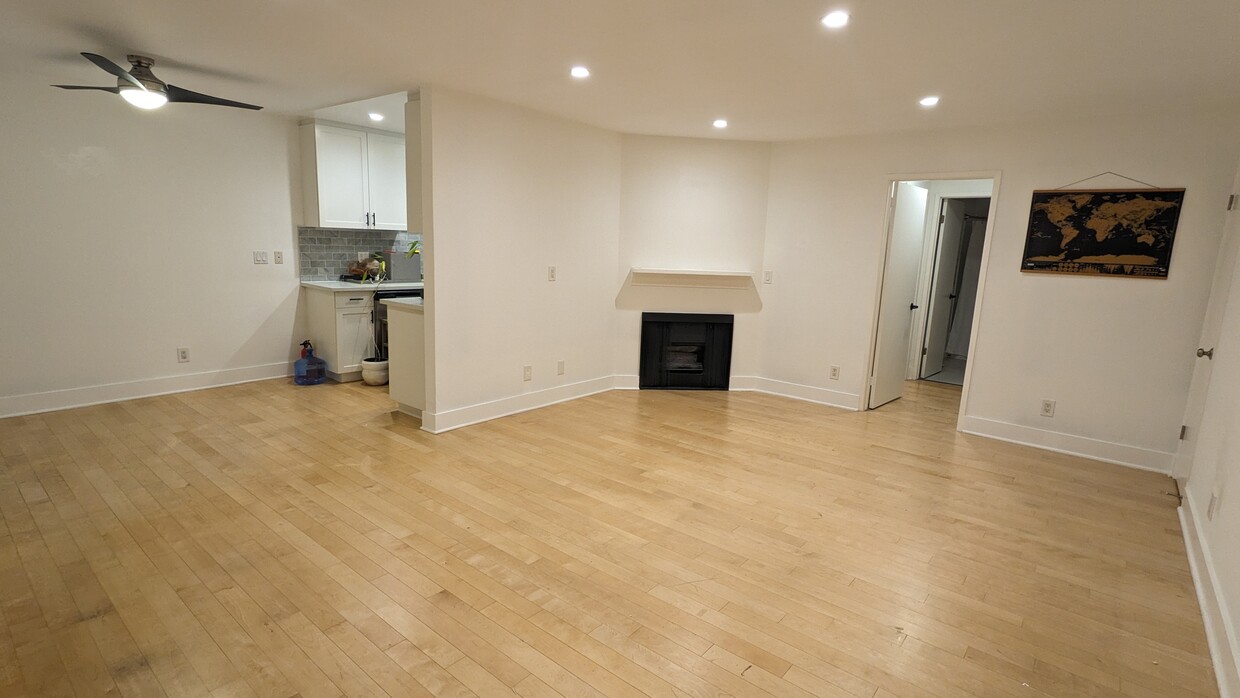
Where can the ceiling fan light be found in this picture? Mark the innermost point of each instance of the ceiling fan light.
(144, 99)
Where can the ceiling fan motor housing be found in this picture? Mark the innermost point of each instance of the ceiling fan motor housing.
(141, 71)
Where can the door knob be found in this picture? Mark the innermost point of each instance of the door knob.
(1207, 353)
(913, 306)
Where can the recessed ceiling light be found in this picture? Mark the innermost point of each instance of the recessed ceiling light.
(376, 116)
(579, 71)
(835, 20)
(929, 101)
(720, 123)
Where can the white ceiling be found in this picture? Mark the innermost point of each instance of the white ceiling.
(665, 66)
(390, 107)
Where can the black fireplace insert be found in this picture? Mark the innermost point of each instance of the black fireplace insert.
(685, 351)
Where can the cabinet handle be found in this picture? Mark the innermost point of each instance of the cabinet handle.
(374, 218)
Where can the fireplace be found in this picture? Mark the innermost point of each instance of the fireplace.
(685, 351)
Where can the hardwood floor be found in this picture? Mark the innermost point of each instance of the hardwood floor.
(274, 540)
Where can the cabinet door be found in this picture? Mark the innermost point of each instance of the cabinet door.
(386, 175)
(353, 338)
(342, 173)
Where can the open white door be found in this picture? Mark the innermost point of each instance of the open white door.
(1223, 273)
(904, 246)
(1211, 491)
(942, 286)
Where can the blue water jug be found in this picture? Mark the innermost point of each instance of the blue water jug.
(309, 369)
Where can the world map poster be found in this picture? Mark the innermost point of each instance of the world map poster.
(1127, 232)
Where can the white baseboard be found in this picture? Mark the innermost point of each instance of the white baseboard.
(439, 422)
(33, 403)
(1224, 643)
(627, 382)
(796, 391)
(1106, 451)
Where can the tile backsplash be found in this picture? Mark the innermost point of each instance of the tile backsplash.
(325, 253)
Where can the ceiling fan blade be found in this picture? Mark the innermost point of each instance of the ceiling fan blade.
(180, 94)
(112, 68)
(113, 90)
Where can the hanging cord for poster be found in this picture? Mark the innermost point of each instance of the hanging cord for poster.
(1103, 174)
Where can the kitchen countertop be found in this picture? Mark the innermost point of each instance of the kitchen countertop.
(408, 305)
(353, 286)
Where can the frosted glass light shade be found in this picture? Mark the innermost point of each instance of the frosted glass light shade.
(144, 99)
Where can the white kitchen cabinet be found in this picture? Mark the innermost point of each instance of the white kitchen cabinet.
(353, 177)
(385, 167)
(341, 329)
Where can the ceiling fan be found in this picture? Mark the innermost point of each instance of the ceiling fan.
(141, 88)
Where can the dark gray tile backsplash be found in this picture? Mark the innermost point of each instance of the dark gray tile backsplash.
(325, 253)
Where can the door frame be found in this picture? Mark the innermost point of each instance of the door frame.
(890, 182)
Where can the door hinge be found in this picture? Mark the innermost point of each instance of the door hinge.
(925, 350)
(1231, 202)
(1183, 432)
(942, 218)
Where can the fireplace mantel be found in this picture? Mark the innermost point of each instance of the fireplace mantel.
(691, 278)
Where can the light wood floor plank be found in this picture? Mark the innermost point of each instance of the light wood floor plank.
(273, 540)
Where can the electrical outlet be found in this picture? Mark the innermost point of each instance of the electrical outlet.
(278, 256)
(1048, 408)
(527, 373)
(1215, 495)
(550, 273)
(260, 257)
(768, 277)
(182, 355)
(559, 367)
(835, 373)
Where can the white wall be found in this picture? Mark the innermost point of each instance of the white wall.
(1115, 353)
(511, 192)
(691, 203)
(127, 234)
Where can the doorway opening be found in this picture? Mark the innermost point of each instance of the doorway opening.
(953, 272)
(936, 238)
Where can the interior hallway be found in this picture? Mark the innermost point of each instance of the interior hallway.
(266, 539)
(952, 373)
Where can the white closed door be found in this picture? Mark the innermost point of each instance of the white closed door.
(943, 287)
(904, 248)
(342, 173)
(386, 175)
